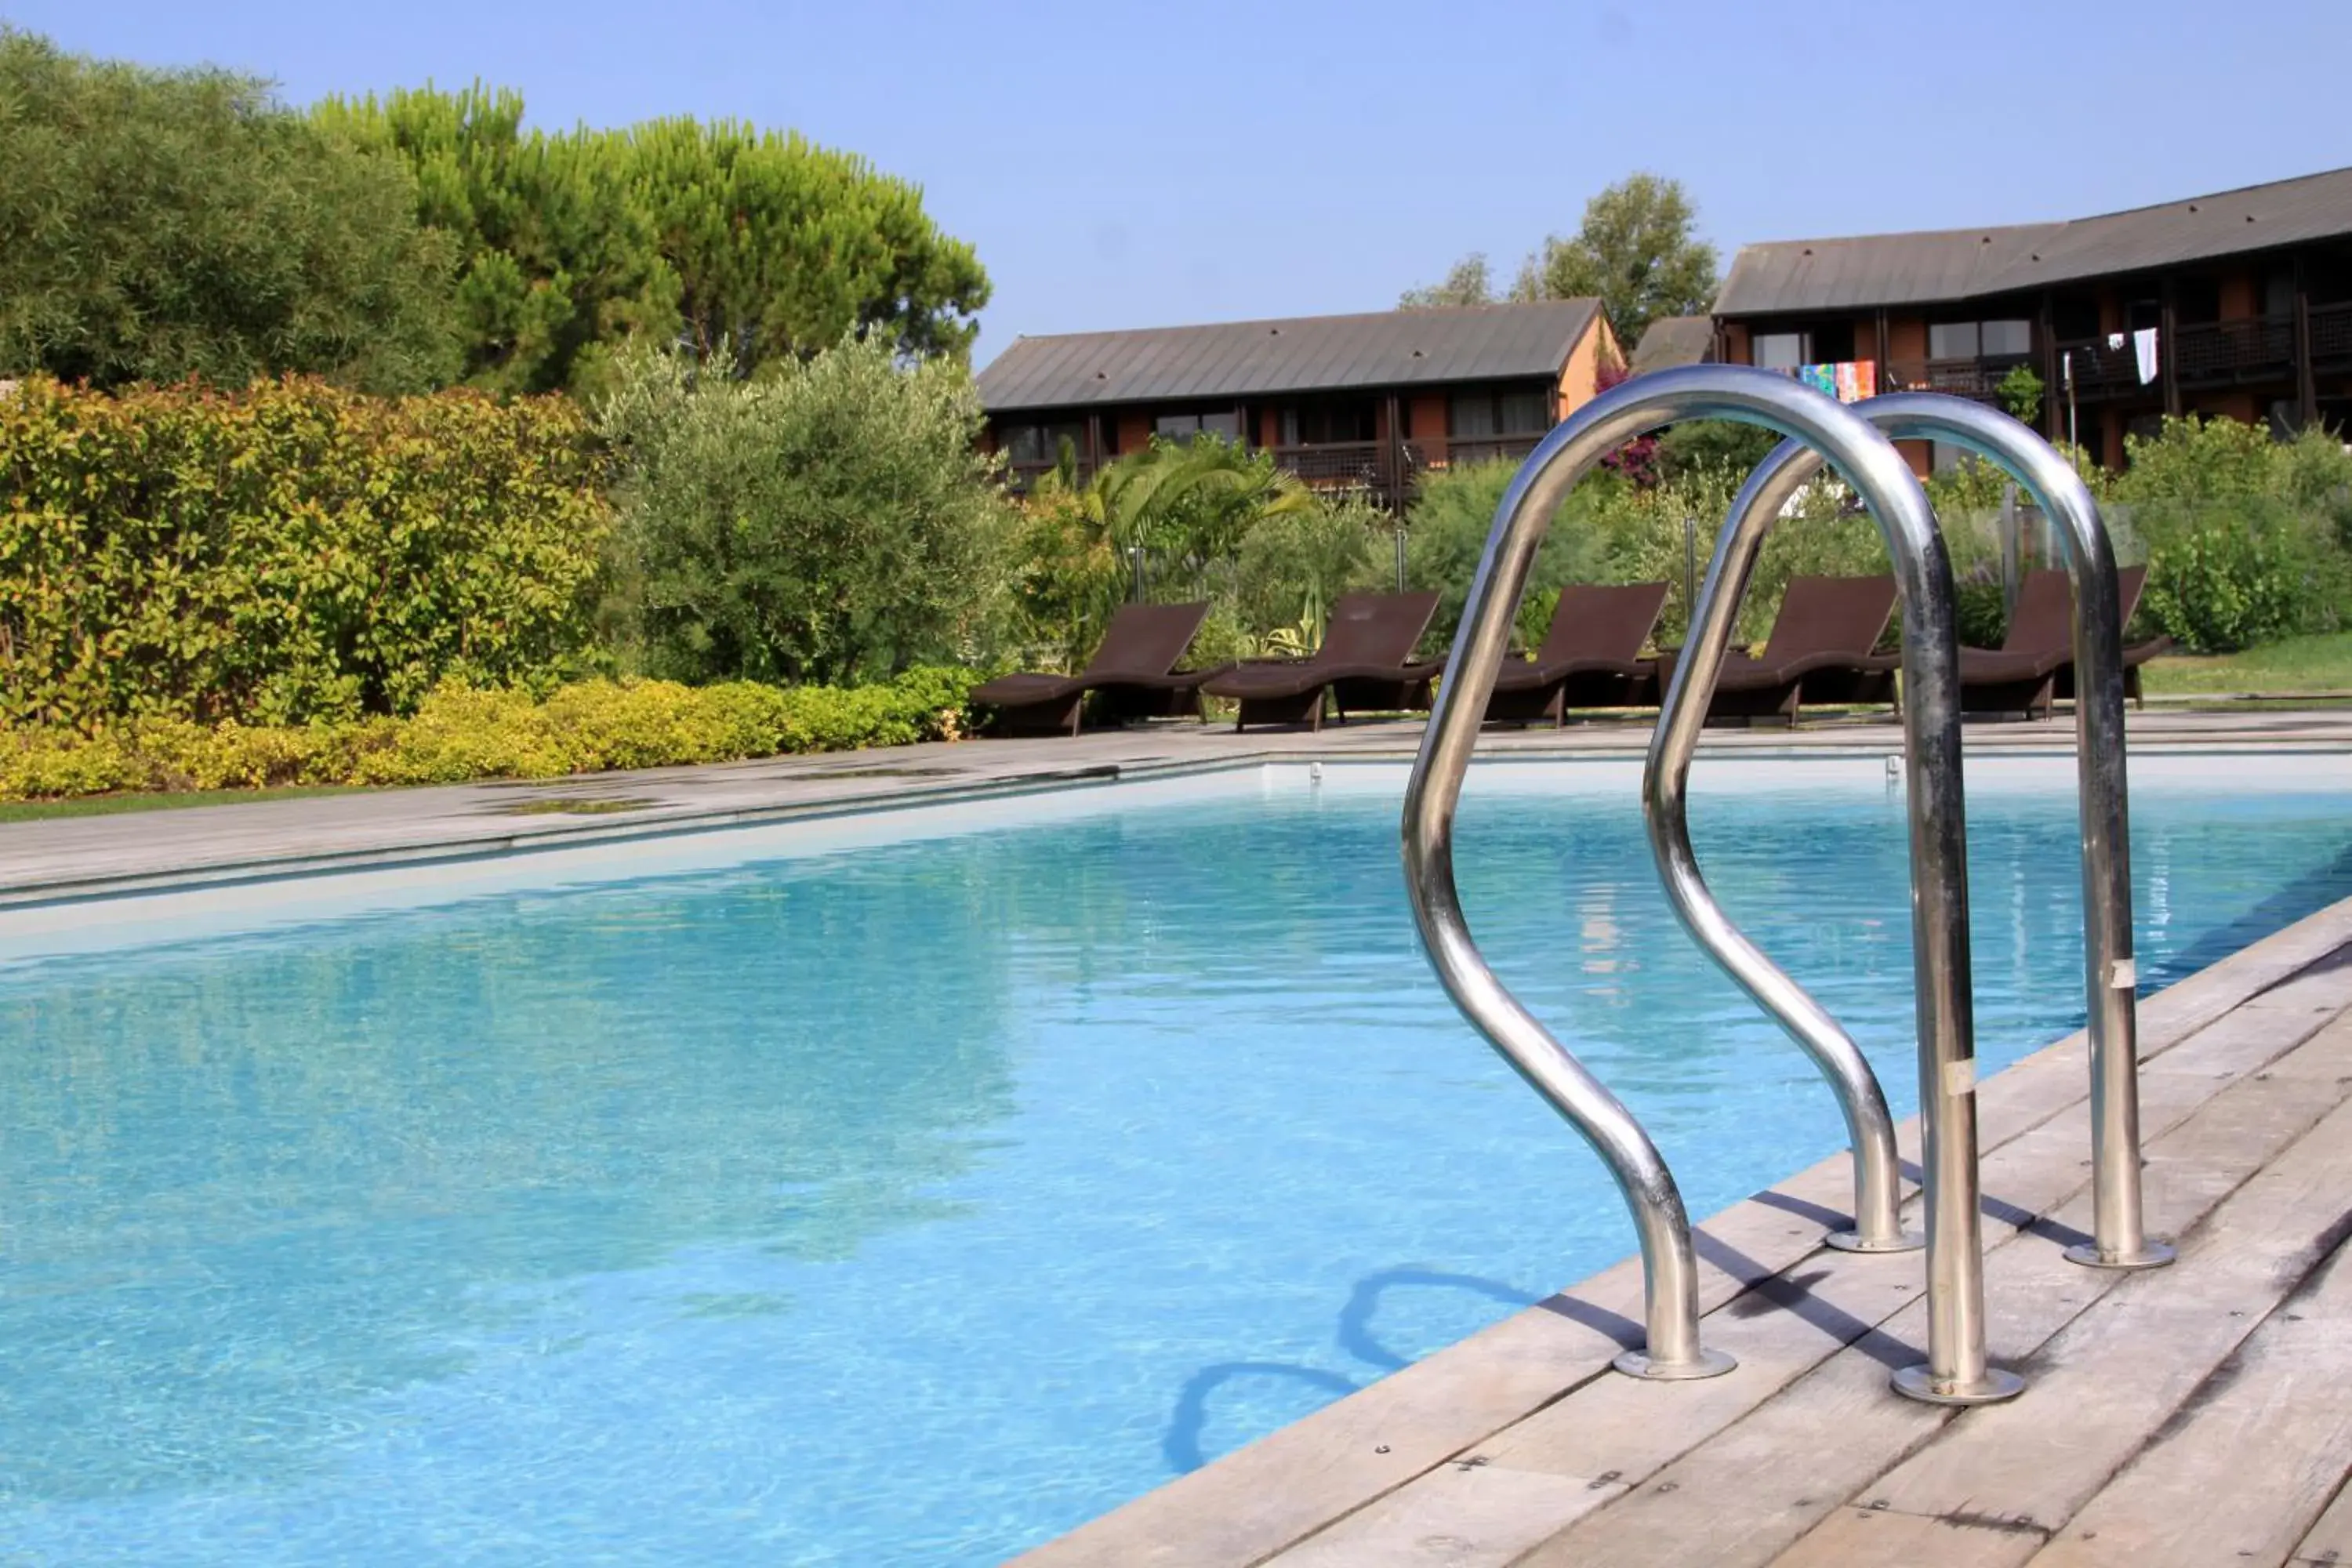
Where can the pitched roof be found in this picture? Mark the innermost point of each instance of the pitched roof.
(1672, 341)
(1307, 354)
(1966, 263)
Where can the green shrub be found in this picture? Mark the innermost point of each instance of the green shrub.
(2246, 539)
(832, 521)
(459, 733)
(2240, 572)
(1445, 537)
(1293, 563)
(1065, 579)
(287, 552)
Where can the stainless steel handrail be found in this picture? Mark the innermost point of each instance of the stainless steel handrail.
(2119, 1239)
(1665, 776)
(1957, 1371)
(1869, 462)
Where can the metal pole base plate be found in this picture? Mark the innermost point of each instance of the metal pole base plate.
(1708, 1364)
(1852, 1241)
(2151, 1254)
(1917, 1382)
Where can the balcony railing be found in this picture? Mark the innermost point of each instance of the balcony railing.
(2234, 352)
(1340, 465)
(1459, 451)
(1021, 475)
(1389, 473)
(2331, 337)
(1978, 376)
(2102, 368)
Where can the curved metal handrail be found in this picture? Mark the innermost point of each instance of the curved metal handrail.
(1869, 462)
(2120, 1237)
(1665, 776)
(1957, 1371)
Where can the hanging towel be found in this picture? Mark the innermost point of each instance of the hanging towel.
(1865, 379)
(2115, 339)
(1848, 388)
(1821, 378)
(2144, 346)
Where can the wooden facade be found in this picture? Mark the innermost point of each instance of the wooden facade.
(2262, 335)
(1373, 438)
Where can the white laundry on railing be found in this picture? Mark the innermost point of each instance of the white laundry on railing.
(2143, 342)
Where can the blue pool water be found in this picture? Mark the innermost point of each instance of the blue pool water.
(912, 1203)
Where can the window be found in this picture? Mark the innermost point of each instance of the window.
(1477, 414)
(1986, 339)
(1026, 444)
(2007, 340)
(1331, 419)
(1182, 428)
(1952, 339)
(1783, 351)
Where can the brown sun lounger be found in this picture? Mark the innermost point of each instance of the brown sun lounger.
(1133, 672)
(1820, 651)
(1589, 656)
(1363, 664)
(2035, 665)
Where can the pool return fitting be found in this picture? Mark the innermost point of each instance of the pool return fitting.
(1957, 1371)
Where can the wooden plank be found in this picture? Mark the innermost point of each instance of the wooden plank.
(1879, 1538)
(2120, 1369)
(2239, 1477)
(1746, 1494)
(1617, 1431)
(1471, 1514)
(2330, 1541)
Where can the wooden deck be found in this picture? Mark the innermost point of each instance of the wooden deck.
(2199, 1415)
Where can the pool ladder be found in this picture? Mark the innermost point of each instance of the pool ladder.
(1858, 442)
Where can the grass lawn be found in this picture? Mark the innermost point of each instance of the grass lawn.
(2298, 664)
(109, 804)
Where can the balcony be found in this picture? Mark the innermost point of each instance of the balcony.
(1387, 475)
(1019, 476)
(2331, 338)
(1371, 468)
(2233, 354)
(1366, 466)
(1977, 377)
(2103, 370)
(1460, 451)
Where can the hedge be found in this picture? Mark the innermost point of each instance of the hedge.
(459, 733)
(288, 552)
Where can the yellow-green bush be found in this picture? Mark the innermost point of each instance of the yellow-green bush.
(288, 552)
(458, 733)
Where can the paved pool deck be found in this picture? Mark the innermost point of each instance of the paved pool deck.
(137, 852)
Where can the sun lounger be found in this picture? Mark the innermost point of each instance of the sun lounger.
(1363, 665)
(1133, 673)
(2034, 666)
(1820, 651)
(1589, 657)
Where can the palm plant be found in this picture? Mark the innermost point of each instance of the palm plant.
(1185, 505)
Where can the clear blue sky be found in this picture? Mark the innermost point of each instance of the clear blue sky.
(1120, 165)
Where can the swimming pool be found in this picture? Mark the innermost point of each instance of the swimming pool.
(908, 1188)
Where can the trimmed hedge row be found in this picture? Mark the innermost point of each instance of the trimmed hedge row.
(459, 733)
(288, 552)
